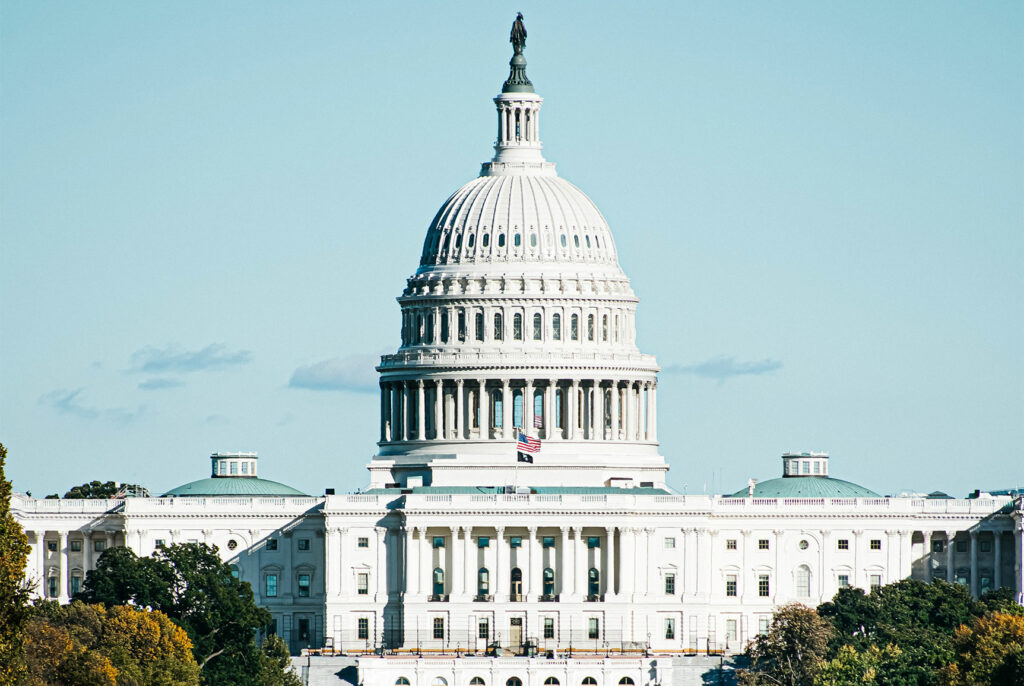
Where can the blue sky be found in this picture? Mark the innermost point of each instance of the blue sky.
(207, 210)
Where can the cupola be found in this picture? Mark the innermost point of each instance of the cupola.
(804, 464)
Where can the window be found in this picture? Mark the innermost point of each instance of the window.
(303, 629)
(807, 467)
(363, 583)
(363, 542)
(479, 328)
(303, 585)
(515, 541)
(99, 546)
(876, 581)
(444, 327)
(593, 541)
(803, 582)
(76, 583)
(604, 327)
(501, 240)
(271, 543)
(730, 585)
(730, 544)
(576, 241)
(763, 589)
(876, 544)
(303, 544)
(556, 327)
(670, 628)
(499, 327)
(438, 581)
(937, 546)
(593, 627)
(517, 240)
(762, 544)
(670, 584)
(483, 541)
(843, 544)
(76, 546)
(804, 545)
(844, 581)
(462, 326)
(670, 542)
(401, 681)
(593, 582)
(986, 546)
(486, 239)
(51, 586)
(438, 627)
(538, 327)
(438, 541)
(533, 240)
(234, 468)
(574, 327)
(159, 543)
(589, 681)
(762, 624)
(563, 240)
(549, 627)
(961, 546)
(590, 327)
(817, 468)
(514, 681)
(483, 628)
(517, 326)
(483, 581)
(548, 541)
(730, 629)
(551, 681)
(271, 586)
(245, 468)
(363, 628)
(549, 581)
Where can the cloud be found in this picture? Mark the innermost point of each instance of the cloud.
(158, 384)
(352, 373)
(171, 359)
(216, 419)
(722, 368)
(70, 402)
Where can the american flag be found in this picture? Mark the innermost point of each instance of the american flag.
(527, 444)
(538, 421)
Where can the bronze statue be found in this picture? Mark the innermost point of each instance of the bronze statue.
(518, 36)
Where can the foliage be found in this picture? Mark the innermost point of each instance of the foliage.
(91, 645)
(989, 652)
(191, 584)
(276, 664)
(14, 550)
(1001, 600)
(791, 652)
(871, 666)
(98, 490)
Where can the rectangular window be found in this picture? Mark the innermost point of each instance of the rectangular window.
(499, 327)
(574, 327)
(99, 546)
(303, 585)
(593, 541)
(938, 546)
(807, 467)
(76, 546)
(515, 542)
(730, 544)
(517, 327)
(986, 546)
(548, 541)
(479, 328)
(462, 326)
(303, 629)
(670, 584)
(483, 541)
(76, 584)
(549, 627)
(730, 585)
(763, 589)
(303, 544)
(876, 544)
(363, 583)
(363, 542)
(986, 583)
(843, 544)
(245, 468)
(961, 546)
(670, 543)
(483, 628)
(844, 581)
(438, 541)
(876, 581)
(159, 543)
(51, 584)
(556, 327)
(590, 327)
(817, 468)
(593, 628)
(271, 544)
(271, 586)
(363, 628)
(670, 628)
(444, 327)
(730, 630)
(439, 627)
(762, 624)
(762, 544)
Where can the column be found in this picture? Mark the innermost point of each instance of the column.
(485, 411)
(343, 576)
(457, 573)
(654, 411)
(648, 407)
(579, 560)
(468, 568)
(777, 590)
(573, 393)
(549, 399)
(610, 573)
(534, 587)
(614, 432)
(506, 410)
(566, 581)
(858, 561)
(528, 409)
(395, 430)
(628, 560)
(439, 409)
(997, 562)
(906, 554)
(413, 572)
(690, 562)
(1018, 559)
(87, 551)
(407, 562)
(62, 552)
(499, 586)
(950, 544)
(426, 570)
(927, 557)
(598, 410)
(630, 414)
(974, 562)
(382, 563)
(460, 408)
(405, 411)
(383, 412)
(421, 410)
(329, 547)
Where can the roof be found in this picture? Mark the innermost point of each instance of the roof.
(463, 490)
(807, 487)
(233, 486)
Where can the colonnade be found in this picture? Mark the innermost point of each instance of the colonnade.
(984, 558)
(518, 121)
(559, 409)
(57, 568)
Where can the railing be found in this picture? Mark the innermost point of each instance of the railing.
(483, 598)
(549, 598)
(595, 598)
(437, 598)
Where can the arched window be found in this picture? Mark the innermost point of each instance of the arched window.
(486, 239)
(538, 327)
(516, 577)
(438, 581)
(483, 581)
(549, 581)
(501, 240)
(589, 681)
(551, 681)
(439, 681)
(401, 681)
(479, 326)
(517, 409)
(444, 327)
(593, 582)
(472, 237)
(462, 325)
(574, 327)
(477, 681)
(590, 327)
(533, 240)
(563, 240)
(556, 327)
(576, 241)
(588, 241)
(604, 327)
(458, 241)
(499, 327)
(803, 582)
(626, 681)
(517, 239)
(517, 326)
(514, 681)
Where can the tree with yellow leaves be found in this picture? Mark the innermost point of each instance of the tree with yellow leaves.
(989, 652)
(14, 608)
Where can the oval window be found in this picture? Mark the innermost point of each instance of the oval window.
(533, 240)
(486, 239)
(472, 236)
(804, 544)
(518, 240)
(501, 240)
(576, 241)
(563, 240)
(588, 241)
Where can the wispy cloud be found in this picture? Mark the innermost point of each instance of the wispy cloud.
(352, 373)
(71, 403)
(722, 368)
(174, 360)
(160, 383)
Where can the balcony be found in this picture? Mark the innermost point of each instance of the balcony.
(437, 598)
(483, 598)
(595, 598)
(549, 598)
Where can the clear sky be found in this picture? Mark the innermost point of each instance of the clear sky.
(208, 209)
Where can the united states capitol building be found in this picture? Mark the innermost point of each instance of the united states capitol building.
(519, 315)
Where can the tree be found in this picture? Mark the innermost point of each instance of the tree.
(89, 644)
(871, 666)
(791, 652)
(276, 664)
(989, 652)
(99, 490)
(199, 592)
(14, 610)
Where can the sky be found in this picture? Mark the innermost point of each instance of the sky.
(208, 209)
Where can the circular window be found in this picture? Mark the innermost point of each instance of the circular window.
(804, 544)
(232, 544)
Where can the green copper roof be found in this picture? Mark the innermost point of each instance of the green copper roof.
(807, 487)
(233, 486)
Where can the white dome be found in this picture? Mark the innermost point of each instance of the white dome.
(522, 219)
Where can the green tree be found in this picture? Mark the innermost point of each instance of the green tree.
(14, 610)
(988, 652)
(793, 650)
(98, 490)
(871, 666)
(276, 664)
(198, 591)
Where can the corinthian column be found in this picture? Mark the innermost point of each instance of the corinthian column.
(421, 410)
